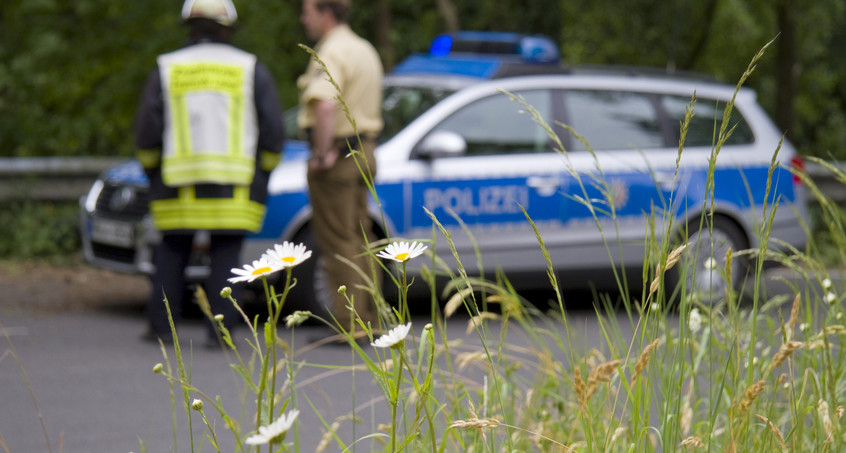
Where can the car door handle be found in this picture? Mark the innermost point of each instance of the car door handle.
(665, 180)
(544, 185)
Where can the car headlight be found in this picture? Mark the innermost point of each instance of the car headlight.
(93, 194)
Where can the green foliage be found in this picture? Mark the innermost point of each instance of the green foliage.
(38, 230)
(71, 72)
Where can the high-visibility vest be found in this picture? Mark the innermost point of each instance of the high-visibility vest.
(211, 132)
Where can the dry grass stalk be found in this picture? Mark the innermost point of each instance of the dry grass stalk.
(825, 416)
(643, 360)
(475, 423)
(750, 395)
(327, 438)
(464, 359)
(478, 319)
(775, 431)
(580, 388)
(693, 442)
(784, 353)
(457, 300)
(794, 315)
(686, 418)
(618, 433)
(601, 373)
(672, 259)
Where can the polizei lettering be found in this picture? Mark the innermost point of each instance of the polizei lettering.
(486, 200)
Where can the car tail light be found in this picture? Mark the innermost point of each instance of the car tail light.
(797, 165)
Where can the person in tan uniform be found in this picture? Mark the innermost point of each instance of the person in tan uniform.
(337, 190)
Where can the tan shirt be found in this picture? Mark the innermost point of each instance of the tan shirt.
(354, 65)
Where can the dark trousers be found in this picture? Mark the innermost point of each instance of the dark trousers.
(338, 199)
(171, 258)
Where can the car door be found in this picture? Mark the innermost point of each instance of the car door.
(479, 195)
(620, 150)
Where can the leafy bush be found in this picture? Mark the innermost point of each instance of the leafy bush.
(33, 229)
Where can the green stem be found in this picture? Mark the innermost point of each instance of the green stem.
(395, 401)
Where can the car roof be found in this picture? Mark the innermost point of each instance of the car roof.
(460, 59)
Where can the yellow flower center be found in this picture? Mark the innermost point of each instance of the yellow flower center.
(402, 256)
(289, 259)
(261, 270)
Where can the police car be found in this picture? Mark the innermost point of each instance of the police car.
(456, 143)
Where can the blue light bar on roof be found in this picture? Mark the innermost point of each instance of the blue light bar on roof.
(529, 48)
(441, 46)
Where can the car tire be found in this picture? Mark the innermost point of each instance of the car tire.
(701, 267)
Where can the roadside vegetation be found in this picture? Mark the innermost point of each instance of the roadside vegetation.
(676, 370)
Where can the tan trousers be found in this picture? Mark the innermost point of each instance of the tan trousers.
(339, 199)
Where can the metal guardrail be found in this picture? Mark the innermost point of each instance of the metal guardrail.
(50, 178)
(66, 178)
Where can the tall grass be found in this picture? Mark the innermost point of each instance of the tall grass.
(674, 370)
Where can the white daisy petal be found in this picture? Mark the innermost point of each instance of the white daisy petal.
(260, 268)
(393, 337)
(273, 431)
(402, 251)
(287, 254)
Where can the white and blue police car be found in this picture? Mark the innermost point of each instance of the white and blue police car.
(458, 145)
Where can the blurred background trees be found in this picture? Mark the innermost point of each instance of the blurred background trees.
(71, 71)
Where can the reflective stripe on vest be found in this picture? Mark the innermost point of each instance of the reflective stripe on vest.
(190, 213)
(210, 132)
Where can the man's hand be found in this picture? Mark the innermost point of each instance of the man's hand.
(323, 161)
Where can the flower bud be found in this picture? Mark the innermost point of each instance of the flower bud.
(226, 292)
(197, 404)
(218, 317)
(157, 368)
(297, 318)
(342, 289)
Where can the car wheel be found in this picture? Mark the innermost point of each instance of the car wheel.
(702, 265)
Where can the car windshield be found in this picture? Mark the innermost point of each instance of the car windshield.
(403, 104)
(400, 106)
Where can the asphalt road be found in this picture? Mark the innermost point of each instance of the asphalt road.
(88, 378)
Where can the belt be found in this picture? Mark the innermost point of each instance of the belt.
(343, 141)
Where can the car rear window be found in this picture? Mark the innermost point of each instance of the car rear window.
(705, 124)
(611, 120)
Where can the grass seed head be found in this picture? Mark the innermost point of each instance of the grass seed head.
(785, 352)
(751, 394)
(643, 360)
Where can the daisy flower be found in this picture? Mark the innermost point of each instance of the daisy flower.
(695, 320)
(710, 264)
(260, 268)
(402, 251)
(287, 254)
(393, 337)
(274, 431)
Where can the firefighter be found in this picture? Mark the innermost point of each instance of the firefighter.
(208, 132)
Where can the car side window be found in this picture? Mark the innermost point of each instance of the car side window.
(498, 125)
(612, 120)
(705, 124)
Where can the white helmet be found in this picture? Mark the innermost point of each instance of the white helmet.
(220, 11)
